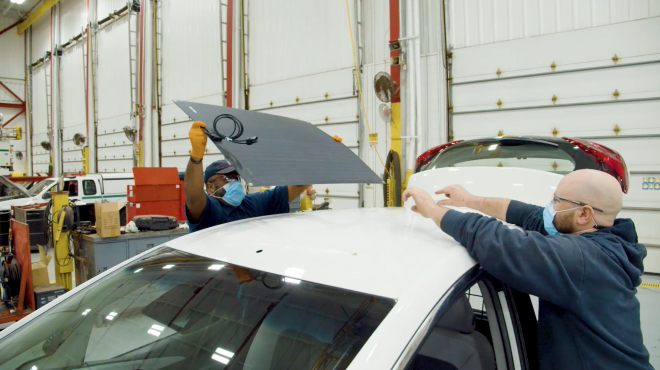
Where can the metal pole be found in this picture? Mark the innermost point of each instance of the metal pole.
(55, 94)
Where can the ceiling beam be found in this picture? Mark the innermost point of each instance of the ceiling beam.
(38, 12)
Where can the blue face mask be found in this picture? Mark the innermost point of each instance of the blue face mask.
(549, 216)
(233, 193)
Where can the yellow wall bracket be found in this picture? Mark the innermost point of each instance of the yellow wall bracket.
(41, 9)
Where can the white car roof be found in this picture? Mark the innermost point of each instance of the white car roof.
(389, 252)
(376, 251)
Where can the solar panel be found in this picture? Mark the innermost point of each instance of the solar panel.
(287, 151)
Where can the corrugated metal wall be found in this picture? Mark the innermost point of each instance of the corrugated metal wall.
(72, 77)
(554, 72)
(193, 69)
(12, 75)
(113, 87)
(40, 34)
(302, 67)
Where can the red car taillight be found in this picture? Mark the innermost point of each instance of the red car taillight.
(612, 162)
(426, 157)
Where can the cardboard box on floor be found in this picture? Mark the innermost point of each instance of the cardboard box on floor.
(107, 219)
(40, 269)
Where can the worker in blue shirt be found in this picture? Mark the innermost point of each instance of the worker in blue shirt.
(225, 200)
(582, 262)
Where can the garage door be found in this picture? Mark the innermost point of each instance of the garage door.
(578, 69)
(113, 89)
(312, 79)
(199, 51)
(72, 83)
(39, 107)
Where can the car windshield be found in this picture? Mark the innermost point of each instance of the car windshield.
(173, 310)
(40, 186)
(9, 189)
(518, 153)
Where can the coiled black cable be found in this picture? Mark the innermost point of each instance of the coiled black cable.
(235, 134)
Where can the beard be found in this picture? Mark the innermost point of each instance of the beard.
(564, 223)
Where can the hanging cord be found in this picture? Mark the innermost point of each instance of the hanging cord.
(235, 134)
(366, 119)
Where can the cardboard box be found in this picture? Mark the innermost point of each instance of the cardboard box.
(107, 219)
(40, 269)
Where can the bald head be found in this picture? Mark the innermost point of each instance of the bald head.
(595, 188)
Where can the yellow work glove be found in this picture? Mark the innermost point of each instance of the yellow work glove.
(197, 139)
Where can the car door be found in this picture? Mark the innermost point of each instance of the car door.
(480, 324)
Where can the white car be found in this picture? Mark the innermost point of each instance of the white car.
(356, 289)
(83, 189)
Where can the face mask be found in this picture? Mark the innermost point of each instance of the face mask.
(549, 216)
(233, 193)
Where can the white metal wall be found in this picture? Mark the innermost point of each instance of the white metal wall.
(302, 67)
(114, 150)
(554, 72)
(72, 77)
(194, 46)
(40, 35)
(12, 54)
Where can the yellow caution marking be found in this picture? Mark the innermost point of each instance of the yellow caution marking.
(650, 285)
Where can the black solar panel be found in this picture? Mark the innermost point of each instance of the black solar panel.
(287, 152)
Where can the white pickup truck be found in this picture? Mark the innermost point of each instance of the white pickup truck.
(84, 189)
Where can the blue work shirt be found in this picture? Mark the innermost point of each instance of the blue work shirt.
(270, 202)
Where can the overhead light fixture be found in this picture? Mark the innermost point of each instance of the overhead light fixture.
(17, 1)
(291, 280)
(138, 270)
(111, 316)
(167, 267)
(84, 313)
(156, 330)
(216, 267)
(492, 147)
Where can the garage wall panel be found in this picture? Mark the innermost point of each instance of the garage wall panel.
(40, 37)
(472, 22)
(12, 56)
(73, 17)
(588, 69)
(113, 98)
(194, 41)
(40, 156)
(312, 79)
(72, 85)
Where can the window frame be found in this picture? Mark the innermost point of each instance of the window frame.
(96, 191)
(516, 307)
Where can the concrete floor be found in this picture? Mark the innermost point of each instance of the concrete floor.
(649, 298)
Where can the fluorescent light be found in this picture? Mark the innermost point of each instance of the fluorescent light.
(33, 367)
(518, 184)
(220, 359)
(216, 267)
(113, 314)
(20, 2)
(291, 280)
(167, 267)
(153, 332)
(138, 270)
(86, 311)
(224, 352)
(158, 327)
(492, 147)
(109, 318)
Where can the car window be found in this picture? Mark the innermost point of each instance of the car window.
(520, 154)
(89, 187)
(71, 187)
(40, 186)
(461, 338)
(176, 310)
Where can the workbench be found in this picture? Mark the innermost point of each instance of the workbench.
(95, 254)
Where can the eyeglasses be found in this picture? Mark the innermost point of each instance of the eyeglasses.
(556, 199)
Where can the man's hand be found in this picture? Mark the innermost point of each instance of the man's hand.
(295, 190)
(458, 197)
(197, 139)
(424, 204)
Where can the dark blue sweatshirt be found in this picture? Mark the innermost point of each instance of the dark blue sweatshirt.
(586, 284)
